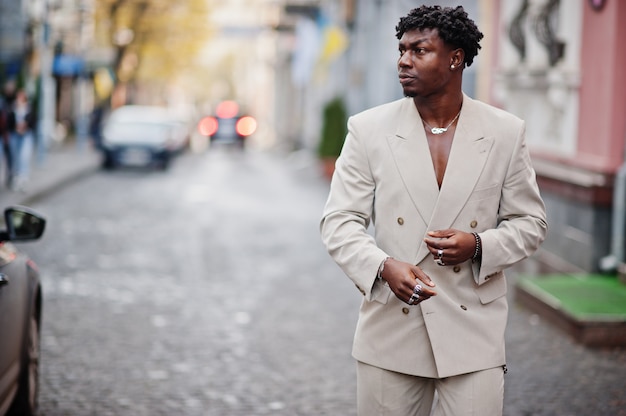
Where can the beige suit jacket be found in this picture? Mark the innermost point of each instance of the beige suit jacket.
(385, 178)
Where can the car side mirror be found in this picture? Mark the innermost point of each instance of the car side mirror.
(22, 224)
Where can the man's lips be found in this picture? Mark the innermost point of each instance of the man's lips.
(405, 78)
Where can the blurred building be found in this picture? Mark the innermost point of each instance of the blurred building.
(554, 63)
(43, 46)
(343, 48)
(240, 60)
(558, 65)
(23, 53)
(13, 37)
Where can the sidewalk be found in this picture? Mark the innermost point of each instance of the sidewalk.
(60, 166)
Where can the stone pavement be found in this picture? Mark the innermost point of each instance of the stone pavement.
(61, 164)
(549, 374)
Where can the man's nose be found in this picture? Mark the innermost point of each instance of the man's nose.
(404, 60)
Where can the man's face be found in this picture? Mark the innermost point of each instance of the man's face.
(424, 63)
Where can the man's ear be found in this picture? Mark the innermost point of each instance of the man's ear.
(457, 58)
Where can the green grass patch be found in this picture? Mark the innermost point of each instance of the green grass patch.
(592, 297)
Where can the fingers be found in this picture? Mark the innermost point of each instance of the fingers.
(403, 279)
(456, 248)
(449, 247)
(438, 243)
(419, 294)
(421, 290)
(440, 248)
(421, 276)
(442, 233)
(416, 290)
(441, 238)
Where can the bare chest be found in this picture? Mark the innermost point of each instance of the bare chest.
(440, 145)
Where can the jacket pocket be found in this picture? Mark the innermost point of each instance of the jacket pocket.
(485, 193)
(492, 290)
(381, 292)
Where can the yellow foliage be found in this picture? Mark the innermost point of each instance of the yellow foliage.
(154, 39)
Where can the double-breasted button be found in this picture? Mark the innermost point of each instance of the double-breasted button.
(456, 268)
(464, 307)
(400, 220)
(405, 311)
(473, 224)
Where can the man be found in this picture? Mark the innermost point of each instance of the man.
(447, 182)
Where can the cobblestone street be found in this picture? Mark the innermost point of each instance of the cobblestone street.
(206, 291)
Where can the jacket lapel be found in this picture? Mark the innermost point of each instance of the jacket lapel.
(470, 150)
(469, 153)
(411, 154)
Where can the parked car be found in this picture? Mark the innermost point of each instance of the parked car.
(137, 135)
(227, 126)
(20, 314)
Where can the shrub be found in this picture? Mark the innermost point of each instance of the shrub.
(334, 129)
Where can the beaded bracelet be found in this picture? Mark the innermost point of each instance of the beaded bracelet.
(381, 268)
(478, 250)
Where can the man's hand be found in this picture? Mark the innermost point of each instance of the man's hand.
(403, 277)
(454, 245)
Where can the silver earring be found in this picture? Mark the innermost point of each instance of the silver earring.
(451, 66)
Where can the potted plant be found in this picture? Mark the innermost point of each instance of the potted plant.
(334, 130)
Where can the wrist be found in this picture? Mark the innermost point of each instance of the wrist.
(379, 275)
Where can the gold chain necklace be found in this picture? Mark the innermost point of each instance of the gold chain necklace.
(441, 130)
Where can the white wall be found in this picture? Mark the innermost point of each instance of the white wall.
(545, 96)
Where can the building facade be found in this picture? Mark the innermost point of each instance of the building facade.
(558, 67)
(554, 63)
(42, 49)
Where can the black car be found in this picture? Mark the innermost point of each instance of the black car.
(228, 125)
(20, 314)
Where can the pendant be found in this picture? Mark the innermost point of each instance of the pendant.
(438, 130)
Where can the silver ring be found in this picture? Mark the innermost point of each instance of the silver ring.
(440, 253)
(440, 262)
(410, 301)
(415, 298)
(417, 289)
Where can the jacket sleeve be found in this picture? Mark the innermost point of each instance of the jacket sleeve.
(348, 213)
(521, 224)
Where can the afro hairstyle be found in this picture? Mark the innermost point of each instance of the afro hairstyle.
(454, 26)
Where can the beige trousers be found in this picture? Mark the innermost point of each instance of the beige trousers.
(386, 393)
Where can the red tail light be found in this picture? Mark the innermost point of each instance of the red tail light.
(227, 109)
(246, 126)
(208, 126)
